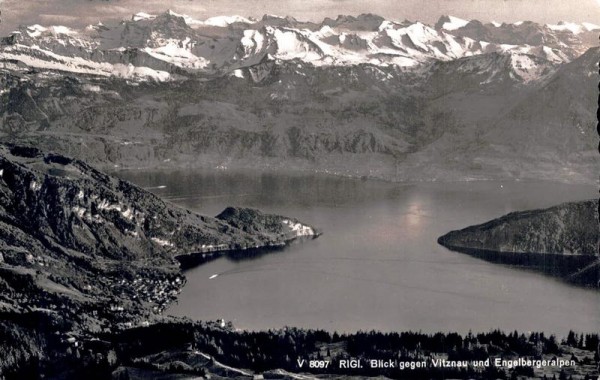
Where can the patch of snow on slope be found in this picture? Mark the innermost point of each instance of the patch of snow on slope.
(525, 67)
(507, 47)
(454, 47)
(385, 24)
(404, 61)
(589, 26)
(172, 52)
(225, 21)
(143, 16)
(44, 59)
(187, 19)
(325, 32)
(420, 34)
(107, 206)
(35, 30)
(58, 29)
(252, 41)
(566, 26)
(130, 71)
(555, 56)
(162, 242)
(289, 46)
(396, 37)
(454, 23)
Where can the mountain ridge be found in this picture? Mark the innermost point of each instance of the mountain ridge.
(402, 101)
(169, 45)
(561, 240)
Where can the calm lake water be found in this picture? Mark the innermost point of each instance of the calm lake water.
(377, 264)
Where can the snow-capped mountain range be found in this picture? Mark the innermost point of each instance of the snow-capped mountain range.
(358, 96)
(171, 46)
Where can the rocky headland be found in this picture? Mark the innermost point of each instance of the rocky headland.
(560, 240)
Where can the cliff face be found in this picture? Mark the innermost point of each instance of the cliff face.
(561, 240)
(83, 252)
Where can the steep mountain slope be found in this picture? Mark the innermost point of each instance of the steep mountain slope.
(561, 240)
(76, 233)
(570, 119)
(544, 130)
(83, 253)
(359, 96)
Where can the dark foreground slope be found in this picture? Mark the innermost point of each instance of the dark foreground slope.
(560, 240)
(82, 252)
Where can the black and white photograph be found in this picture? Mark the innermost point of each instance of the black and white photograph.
(318, 189)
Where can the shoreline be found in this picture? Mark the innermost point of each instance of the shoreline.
(116, 171)
(544, 263)
(191, 260)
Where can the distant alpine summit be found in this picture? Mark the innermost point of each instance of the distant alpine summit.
(171, 46)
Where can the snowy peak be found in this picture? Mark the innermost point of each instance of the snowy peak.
(450, 23)
(218, 21)
(590, 27)
(295, 44)
(573, 27)
(142, 16)
(171, 46)
(38, 30)
(573, 38)
(225, 21)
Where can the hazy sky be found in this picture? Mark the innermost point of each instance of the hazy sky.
(83, 12)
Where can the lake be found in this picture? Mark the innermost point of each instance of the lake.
(377, 264)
